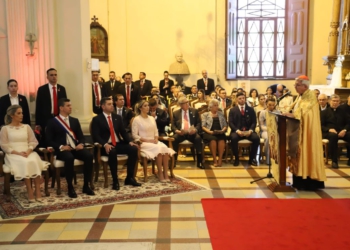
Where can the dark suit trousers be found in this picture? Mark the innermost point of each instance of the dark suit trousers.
(122, 148)
(195, 139)
(254, 138)
(333, 143)
(68, 158)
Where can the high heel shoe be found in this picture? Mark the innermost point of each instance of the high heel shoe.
(31, 200)
(167, 180)
(39, 200)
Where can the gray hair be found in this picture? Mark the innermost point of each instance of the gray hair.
(182, 99)
(212, 102)
(334, 96)
(10, 112)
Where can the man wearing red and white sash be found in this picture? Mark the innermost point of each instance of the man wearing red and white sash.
(65, 135)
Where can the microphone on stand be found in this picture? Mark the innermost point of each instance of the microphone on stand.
(286, 94)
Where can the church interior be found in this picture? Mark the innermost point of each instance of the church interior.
(144, 36)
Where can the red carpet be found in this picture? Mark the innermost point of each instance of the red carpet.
(278, 224)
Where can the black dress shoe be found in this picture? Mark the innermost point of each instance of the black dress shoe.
(87, 190)
(200, 166)
(132, 182)
(236, 163)
(115, 186)
(335, 165)
(72, 193)
(253, 162)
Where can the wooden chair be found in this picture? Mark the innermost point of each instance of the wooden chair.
(56, 166)
(7, 171)
(144, 160)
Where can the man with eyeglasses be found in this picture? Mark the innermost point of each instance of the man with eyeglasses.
(186, 124)
(323, 102)
(305, 154)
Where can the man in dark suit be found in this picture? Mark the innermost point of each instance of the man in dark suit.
(159, 115)
(242, 121)
(47, 100)
(126, 113)
(111, 86)
(194, 92)
(206, 83)
(14, 98)
(186, 124)
(130, 92)
(108, 130)
(335, 125)
(223, 101)
(144, 85)
(98, 92)
(165, 84)
(65, 135)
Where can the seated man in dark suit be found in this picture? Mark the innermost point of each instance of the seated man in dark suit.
(108, 130)
(14, 98)
(186, 124)
(98, 92)
(111, 86)
(323, 102)
(194, 92)
(242, 121)
(64, 134)
(126, 113)
(223, 101)
(144, 85)
(335, 126)
(159, 115)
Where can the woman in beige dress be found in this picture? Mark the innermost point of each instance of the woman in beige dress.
(144, 129)
(17, 140)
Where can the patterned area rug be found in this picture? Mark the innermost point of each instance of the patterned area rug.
(19, 205)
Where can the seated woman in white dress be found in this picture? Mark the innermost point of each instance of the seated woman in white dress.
(17, 140)
(144, 129)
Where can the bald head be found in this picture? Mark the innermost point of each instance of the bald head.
(280, 87)
(322, 100)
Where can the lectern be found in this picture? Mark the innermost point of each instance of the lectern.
(282, 185)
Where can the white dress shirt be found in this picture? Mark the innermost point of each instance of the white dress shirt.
(14, 100)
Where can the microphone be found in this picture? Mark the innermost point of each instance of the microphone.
(280, 98)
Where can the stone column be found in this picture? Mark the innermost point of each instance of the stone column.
(334, 33)
(72, 37)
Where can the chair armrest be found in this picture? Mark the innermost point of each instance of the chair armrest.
(166, 138)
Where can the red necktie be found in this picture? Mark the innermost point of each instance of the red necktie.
(242, 111)
(128, 104)
(55, 107)
(185, 121)
(111, 130)
(97, 95)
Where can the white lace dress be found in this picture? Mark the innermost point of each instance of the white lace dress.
(146, 128)
(20, 139)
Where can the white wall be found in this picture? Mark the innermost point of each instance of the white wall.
(4, 61)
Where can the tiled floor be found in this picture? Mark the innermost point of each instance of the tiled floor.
(174, 222)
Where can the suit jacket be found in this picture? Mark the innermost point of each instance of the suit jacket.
(56, 136)
(228, 103)
(5, 102)
(161, 120)
(210, 85)
(108, 88)
(134, 93)
(194, 119)
(97, 109)
(207, 120)
(43, 103)
(165, 91)
(100, 129)
(146, 89)
(127, 115)
(235, 118)
(337, 120)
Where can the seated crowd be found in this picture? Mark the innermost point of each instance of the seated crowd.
(135, 116)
